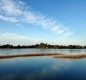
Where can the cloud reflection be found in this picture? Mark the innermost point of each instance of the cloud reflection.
(34, 68)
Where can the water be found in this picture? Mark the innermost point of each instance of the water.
(42, 68)
(25, 51)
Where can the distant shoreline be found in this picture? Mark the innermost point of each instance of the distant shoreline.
(54, 55)
(42, 46)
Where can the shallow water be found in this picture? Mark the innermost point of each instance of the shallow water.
(42, 68)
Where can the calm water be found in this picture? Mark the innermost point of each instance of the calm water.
(25, 51)
(42, 68)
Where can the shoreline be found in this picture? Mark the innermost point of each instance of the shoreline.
(54, 55)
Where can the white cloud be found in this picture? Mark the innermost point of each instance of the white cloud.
(10, 19)
(10, 7)
(15, 39)
(18, 11)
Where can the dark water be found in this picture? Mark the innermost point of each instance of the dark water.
(43, 68)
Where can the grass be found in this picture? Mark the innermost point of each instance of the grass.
(55, 55)
(28, 55)
(77, 56)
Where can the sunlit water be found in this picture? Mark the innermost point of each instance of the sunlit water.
(42, 68)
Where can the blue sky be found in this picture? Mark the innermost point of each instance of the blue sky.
(51, 21)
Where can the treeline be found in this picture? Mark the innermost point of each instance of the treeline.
(43, 45)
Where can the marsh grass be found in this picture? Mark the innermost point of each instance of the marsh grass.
(77, 56)
(28, 55)
(55, 55)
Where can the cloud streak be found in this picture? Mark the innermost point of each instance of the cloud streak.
(10, 19)
(17, 11)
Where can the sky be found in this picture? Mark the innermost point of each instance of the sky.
(27, 22)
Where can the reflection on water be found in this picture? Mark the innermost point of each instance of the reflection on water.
(42, 68)
(25, 51)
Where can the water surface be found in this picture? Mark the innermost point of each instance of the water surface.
(43, 68)
(25, 51)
